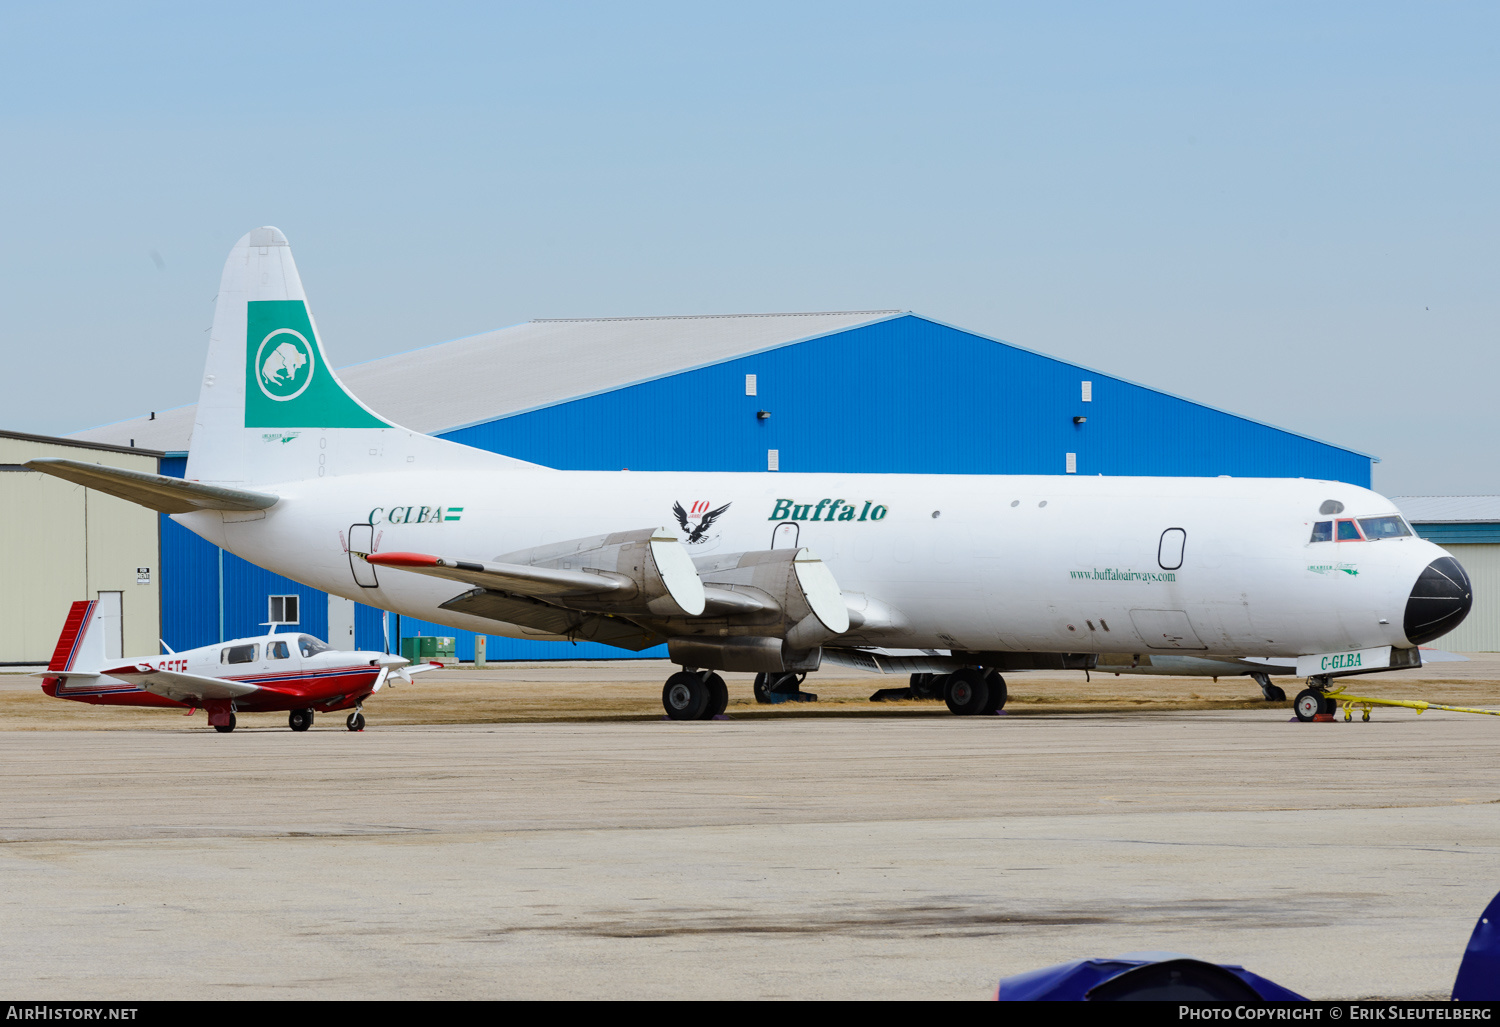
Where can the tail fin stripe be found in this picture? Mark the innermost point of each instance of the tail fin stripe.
(72, 634)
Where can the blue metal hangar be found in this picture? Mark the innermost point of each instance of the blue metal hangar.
(868, 390)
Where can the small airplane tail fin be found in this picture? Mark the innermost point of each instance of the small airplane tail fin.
(270, 407)
(90, 637)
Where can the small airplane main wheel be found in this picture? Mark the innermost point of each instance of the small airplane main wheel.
(224, 729)
(356, 721)
(967, 692)
(299, 720)
(1310, 702)
(718, 697)
(685, 696)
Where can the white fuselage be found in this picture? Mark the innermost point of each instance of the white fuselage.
(968, 562)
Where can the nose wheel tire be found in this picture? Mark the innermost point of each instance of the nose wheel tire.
(967, 693)
(224, 729)
(356, 721)
(299, 720)
(1310, 702)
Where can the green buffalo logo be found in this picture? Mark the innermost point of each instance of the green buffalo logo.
(827, 510)
(284, 364)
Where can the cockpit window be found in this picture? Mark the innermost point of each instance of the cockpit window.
(1384, 527)
(1322, 532)
(240, 654)
(277, 651)
(1348, 532)
(311, 646)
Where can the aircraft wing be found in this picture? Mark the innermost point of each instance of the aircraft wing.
(180, 687)
(542, 582)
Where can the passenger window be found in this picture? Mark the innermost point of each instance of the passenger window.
(1169, 549)
(240, 654)
(277, 650)
(1348, 532)
(1384, 527)
(1322, 532)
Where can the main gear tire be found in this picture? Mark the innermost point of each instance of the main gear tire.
(998, 693)
(718, 697)
(299, 720)
(224, 729)
(967, 692)
(685, 696)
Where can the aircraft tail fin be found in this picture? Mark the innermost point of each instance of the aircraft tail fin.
(90, 636)
(270, 407)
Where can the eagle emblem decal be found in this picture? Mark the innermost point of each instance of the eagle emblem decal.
(697, 534)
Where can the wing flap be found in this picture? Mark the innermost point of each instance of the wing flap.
(506, 577)
(180, 687)
(153, 491)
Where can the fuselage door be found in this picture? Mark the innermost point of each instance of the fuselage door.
(362, 544)
(785, 535)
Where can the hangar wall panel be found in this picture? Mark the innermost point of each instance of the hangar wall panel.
(1480, 631)
(61, 542)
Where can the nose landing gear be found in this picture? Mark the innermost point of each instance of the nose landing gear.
(1314, 700)
(356, 721)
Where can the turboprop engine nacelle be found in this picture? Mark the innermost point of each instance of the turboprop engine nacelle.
(769, 610)
(656, 574)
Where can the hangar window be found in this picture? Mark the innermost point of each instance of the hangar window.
(1322, 532)
(311, 646)
(1348, 532)
(283, 609)
(277, 651)
(1384, 527)
(240, 654)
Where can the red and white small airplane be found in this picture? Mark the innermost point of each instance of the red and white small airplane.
(297, 673)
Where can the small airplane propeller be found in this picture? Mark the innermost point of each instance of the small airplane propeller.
(402, 668)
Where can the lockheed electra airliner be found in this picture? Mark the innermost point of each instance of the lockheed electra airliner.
(959, 576)
(297, 673)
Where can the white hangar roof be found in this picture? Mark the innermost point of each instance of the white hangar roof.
(528, 366)
(1449, 509)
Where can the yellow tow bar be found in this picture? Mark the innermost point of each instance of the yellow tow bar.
(1365, 704)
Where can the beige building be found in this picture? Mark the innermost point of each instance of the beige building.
(1469, 528)
(61, 542)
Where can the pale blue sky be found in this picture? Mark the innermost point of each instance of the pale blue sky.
(1285, 210)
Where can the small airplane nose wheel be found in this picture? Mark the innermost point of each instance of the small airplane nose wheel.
(356, 721)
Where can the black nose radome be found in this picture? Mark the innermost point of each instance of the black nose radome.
(1439, 602)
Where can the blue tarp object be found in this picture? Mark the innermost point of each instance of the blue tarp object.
(1067, 982)
(1479, 974)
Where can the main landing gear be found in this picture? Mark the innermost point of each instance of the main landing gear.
(973, 691)
(779, 688)
(299, 720)
(695, 695)
(1268, 691)
(225, 728)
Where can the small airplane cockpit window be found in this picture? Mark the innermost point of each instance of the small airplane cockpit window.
(240, 654)
(277, 651)
(311, 646)
(1348, 532)
(1322, 532)
(1384, 527)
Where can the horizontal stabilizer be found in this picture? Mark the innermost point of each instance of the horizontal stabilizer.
(153, 491)
(507, 577)
(180, 687)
